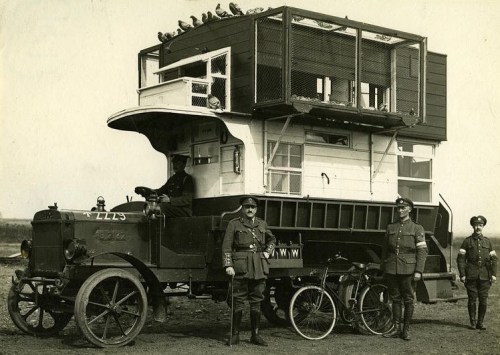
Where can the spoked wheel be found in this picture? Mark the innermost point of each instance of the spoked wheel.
(111, 308)
(375, 310)
(312, 312)
(36, 311)
(276, 303)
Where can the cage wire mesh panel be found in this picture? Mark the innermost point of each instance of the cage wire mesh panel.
(390, 74)
(323, 61)
(219, 78)
(199, 91)
(408, 73)
(269, 58)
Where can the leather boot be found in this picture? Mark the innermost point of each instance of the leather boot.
(396, 316)
(235, 336)
(255, 322)
(405, 335)
(480, 316)
(472, 315)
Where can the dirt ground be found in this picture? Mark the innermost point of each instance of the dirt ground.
(201, 327)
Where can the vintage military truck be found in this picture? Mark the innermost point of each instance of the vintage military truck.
(326, 120)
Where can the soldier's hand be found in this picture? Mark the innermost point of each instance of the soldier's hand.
(266, 255)
(462, 279)
(230, 271)
(417, 276)
(493, 278)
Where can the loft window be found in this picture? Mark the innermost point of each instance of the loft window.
(285, 170)
(336, 139)
(373, 96)
(211, 67)
(415, 170)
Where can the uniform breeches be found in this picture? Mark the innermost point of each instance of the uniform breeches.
(251, 290)
(401, 288)
(477, 289)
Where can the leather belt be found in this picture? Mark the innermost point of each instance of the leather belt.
(253, 250)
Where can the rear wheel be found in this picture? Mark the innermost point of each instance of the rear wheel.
(111, 308)
(312, 312)
(36, 311)
(375, 310)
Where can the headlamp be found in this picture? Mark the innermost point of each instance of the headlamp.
(74, 249)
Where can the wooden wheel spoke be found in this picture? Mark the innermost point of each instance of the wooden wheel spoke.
(99, 316)
(115, 292)
(127, 297)
(106, 326)
(30, 312)
(135, 314)
(119, 324)
(104, 295)
(26, 297)
(99, 304)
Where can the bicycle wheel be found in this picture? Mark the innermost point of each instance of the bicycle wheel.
(312, 312)
(375, 310)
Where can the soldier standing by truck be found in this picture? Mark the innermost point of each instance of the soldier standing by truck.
(477, 265)
(247, 245)
(403, 260)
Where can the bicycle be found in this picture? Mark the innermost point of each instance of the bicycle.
(363, 303)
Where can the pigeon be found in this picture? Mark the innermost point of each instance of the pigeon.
(184, 26)
(196, 22)
(211, 17)
(383, 107)
(255, 11)
(297, 18)
(323, 24)
(235, 9)
(164, 37)
(213, 102)
(412, 112)
(220, 12)
(204, 18)
(179, 31)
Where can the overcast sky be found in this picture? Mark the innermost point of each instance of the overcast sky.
(66, 66)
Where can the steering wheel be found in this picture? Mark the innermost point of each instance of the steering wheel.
(144, 191)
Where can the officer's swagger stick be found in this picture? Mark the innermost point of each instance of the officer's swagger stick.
(232, 313)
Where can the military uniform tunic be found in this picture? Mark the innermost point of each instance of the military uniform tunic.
(243, 248)
(404, 253)
(477, 261)
(180, 189)
(477, 258)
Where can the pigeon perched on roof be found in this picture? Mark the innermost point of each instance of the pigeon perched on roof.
(383, 107)
(204, 18)
(323, 24)
(211, 17)
(184, 26)
(255, 11)
(221, 13)
(164, 37)
(179, 31)
(235, 9)
(213, 102)
(196, 22)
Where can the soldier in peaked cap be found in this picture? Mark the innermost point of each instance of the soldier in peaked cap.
(403, 260)
(246, 248)
(177, 194)
(477, 265)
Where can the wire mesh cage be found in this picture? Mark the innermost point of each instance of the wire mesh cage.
(390, 74)
(323, 61)
(269, 58)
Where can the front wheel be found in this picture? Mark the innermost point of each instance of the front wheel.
(312, 312)
(375, 309)
(111, 308)
(35, 310)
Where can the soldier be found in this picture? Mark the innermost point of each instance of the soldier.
(245, 250)
(176, 195)
(477, 265)
(403, 260)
